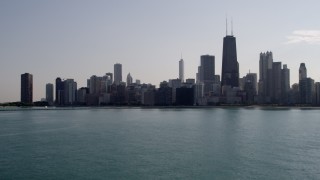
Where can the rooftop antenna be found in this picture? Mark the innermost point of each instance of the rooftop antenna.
(181, 55)
(231, 26)
(226, 24)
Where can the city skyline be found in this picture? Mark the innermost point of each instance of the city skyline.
(41, 43)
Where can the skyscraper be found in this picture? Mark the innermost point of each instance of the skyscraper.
(109, 80)
(306, 90)
(117, 73)
(129, 79)
(174, 84)
(49, 93)
(230, 65)
(206, 72)
(26, 88)
(95, 85)
(265, 63)
(265, 76)
(276, 82)
(70, 92)
(181, 70)
(250, 87)
(59, 92)
(302, 71)
(95, 89)
(306, 86)
(317, 93)
(285, 84)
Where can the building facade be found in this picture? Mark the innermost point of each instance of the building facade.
(230, 65)
(27, 88)
(302, 71)
(265, 85)
(317, 93)
(206, 73)
(306, 91)
(59, 91)
(285, 84)
(181, 70)
(250, 87)
(129, 79)
(117, 73)
(70, 92)
(276, 83)
(49, 93)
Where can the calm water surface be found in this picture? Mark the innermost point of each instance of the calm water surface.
(212, 143)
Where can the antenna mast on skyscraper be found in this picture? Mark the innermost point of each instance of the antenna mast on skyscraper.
(231, 26)
(226, 25)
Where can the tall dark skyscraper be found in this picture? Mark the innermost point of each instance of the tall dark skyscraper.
(49, 93)
(276, 82)
(230, 65)
(59, 91)
(26, 88)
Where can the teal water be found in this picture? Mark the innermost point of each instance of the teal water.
(124, 143)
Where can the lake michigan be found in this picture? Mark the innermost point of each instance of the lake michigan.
(160, 143)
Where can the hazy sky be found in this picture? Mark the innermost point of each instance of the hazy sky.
(77, 39)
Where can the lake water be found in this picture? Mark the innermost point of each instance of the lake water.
(137, 143)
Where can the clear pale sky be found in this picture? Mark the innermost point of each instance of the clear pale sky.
(77, 39)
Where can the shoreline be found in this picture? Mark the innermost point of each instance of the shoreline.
(262, 107)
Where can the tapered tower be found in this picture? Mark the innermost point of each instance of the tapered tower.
(230, 65)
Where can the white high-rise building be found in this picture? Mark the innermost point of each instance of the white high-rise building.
(181, 70)
(117, 73)
(129, 79)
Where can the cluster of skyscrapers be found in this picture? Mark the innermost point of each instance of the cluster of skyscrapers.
(273, 86)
